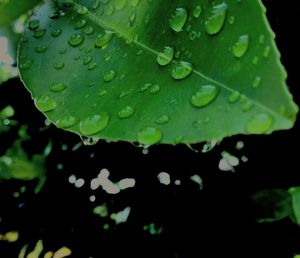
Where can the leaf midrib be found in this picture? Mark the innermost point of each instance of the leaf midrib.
(93, 17)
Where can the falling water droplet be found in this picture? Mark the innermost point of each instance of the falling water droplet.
(178, 19)
(215, 22)
(149, 136)
(93, 124)
(204, 96)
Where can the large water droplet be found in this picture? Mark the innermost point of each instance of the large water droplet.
(181, 70)
(126, 112)
(103, 39)
(241, 46)
(216, 20)
(45, 103)
(178, 19)
(76, 40)
(149, 136)
(260, 123)
(166, 56)
(66, 121)
(205, 95)
(57, 87)
(93, 124)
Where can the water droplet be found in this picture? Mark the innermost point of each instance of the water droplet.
(92, 66)
(109, 75)
(33, 24)
(102, 40)
(149, 136)
(267, 51)
(247, 106)
(82, 10)
(241, 46)
(80, 24)
(216, 20)
(260, 123)
(95, 4)
(231, 20)
(197, 11)
(40, 49)
(256, 82)
(45, 103)
(204, 96)
(166, 56)
(39, 33)
(26, 64)
(255, 60)
(56, 33)
(126, 112)
(145, 87)
(76, 40)
(89, 30)
(132, 17)
(234, 97)
(101, 93)
(181, 70)
(162, 120)
(57, 87)
(178, 19)
(120, 4)
(58, 65)
(154, 89)
(66, 121)
(93, 124)
(134, 2)
(261, 39)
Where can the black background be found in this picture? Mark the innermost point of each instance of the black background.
(218, 221)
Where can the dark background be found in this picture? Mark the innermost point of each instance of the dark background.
(218, 221)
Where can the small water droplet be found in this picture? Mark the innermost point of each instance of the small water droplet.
(260, 123)
(109, 75)
(82, 10)
(76, 40)
(80, 24)
(39, 33)
(149, 136)
(241, 46)
(33, 24)
(45, 103)
(154, 89)
(26, 64)
(102, 40)
(66, 121)
(166, 56)
(231, 20)
(234, 97)
(93, 124)
(89, 30)
(120, 4)
(126, 112)
(256, 82)
(101, 93)
(56, 33)
(178, 19)
(87, 59)
(216, 20)
(58, 65)
(197, 11)
(181, 70)
(57, 87)
(267, 51)
(40, 49)
(162, 120)
(132, 17)
(95, 4)
(204, 96)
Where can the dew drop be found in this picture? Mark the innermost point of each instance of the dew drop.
(89, 30)
(101, 93)
(181, 70)
(40, 49)
(204, 96)
(39, 33)
(80, 24)
(95, 4)
(82, 10)
(76, 40)
(66, 121)
(162, 120)
(120, 4)
(57, 87)
(56, 33)
(178, 19)
(58, 65)
(241, 46)
(102, 40)
(197, 11)
(256, 82)
(166, 56)
(93, 124)
(126, 112)
(267, 51)
(109, 75)
(260, 123)
(216, 20)
(33, 24)
(45, 103)
(154, 89)
(149, 136)
(234, 97)
(26, 64)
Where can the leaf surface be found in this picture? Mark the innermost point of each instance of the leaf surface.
(157, 71)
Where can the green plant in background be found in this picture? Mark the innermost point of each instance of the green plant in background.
(205, 74)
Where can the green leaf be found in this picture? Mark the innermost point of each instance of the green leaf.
(157, 71)
(10, 10)
(295, 192)
(273, 204)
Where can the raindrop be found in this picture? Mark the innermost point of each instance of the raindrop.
(154, 89)
(181, 70)
(166, 56)
(93, 124)
(215, 22)
(101, 93)
(40, 49)
(39, 33)
(66, 121)
(178, 19)
(102, 40)
(109, 75)
(120, 4)
(45, 103)
(82, 10)
(58, 65)
(234, 97)
(80, 24)
(76, 40)
(256, 82)
(241, 46)
(89, 30)
(259, 123)
(57, 87)
(56, 33)
(149, 136)
(197, 11)
(33, 24)
(162, 120)
(126, 112)
(204, 96)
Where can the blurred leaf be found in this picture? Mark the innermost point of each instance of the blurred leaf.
(273, 204)
(295, 193)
